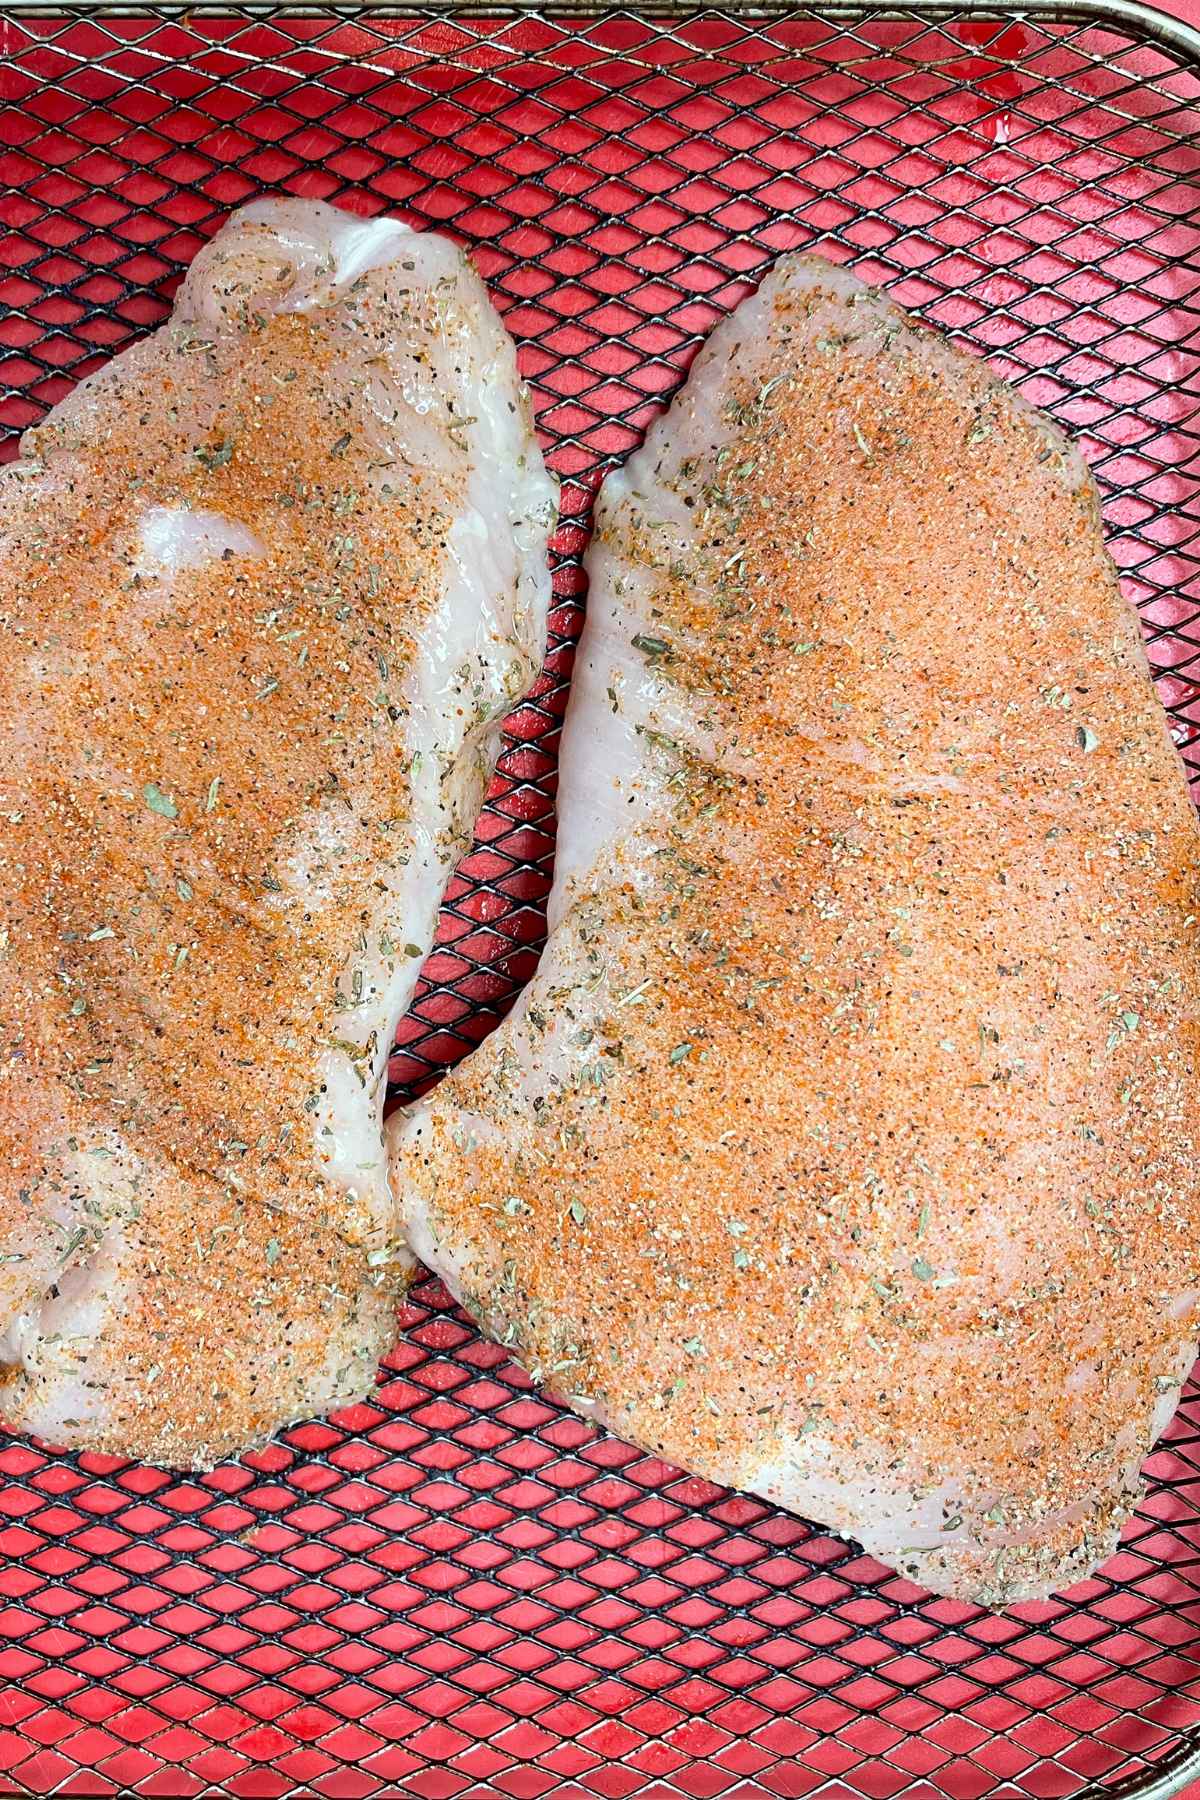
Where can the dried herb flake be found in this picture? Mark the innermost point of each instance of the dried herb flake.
(158, 802)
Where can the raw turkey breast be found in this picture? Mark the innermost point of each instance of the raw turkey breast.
(843, 1147)
(267, 584)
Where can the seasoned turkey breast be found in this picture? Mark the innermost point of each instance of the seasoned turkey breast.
(843, 1147)
(269, 581)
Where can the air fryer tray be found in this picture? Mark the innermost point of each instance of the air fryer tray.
(458, 1589)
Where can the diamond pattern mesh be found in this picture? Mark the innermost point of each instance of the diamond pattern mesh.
(456, 1589)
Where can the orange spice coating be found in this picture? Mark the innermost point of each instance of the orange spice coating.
(842, 1148)
(206, 797)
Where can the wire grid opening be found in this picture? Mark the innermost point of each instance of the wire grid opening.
(458, 1589)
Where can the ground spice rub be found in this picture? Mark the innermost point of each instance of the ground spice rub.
(268, 582)
(842, 1147)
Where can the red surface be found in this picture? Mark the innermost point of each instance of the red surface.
(457, 1589)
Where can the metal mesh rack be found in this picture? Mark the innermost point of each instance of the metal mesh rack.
(457, 1589)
